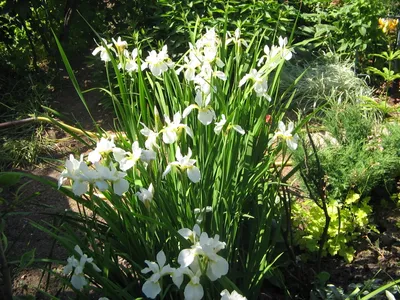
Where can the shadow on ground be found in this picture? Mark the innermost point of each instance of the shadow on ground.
(27, 203)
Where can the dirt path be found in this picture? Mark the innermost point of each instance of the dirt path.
(44, 201)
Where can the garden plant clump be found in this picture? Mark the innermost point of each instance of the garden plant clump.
(190, 153)
(357, 155)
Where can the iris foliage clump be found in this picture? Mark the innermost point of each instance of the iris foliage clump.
(185, 189)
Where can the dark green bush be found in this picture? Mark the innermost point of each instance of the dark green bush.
(360, 154)
(347, 123)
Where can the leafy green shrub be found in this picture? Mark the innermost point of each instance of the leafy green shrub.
(348, 123)
(348, 27)
(355, 166)
(390, 138)
(360, 154)
(271, 18)
(349, 219)
(356, 154)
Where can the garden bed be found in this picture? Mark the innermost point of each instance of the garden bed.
(254, 162)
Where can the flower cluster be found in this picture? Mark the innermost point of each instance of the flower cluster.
(204, 249)
(199, 69)
(388, 25)
(77, 266)
(108, 165)
(100, 174)
(158, 63)
(169, 136)
(201, 260)
(268, 62)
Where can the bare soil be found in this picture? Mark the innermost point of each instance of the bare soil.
(44, 201)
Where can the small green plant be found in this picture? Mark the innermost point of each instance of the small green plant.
(381, 106)
(360, 154)
(370, 289)
(388, 73)
(24, 148)
(347, 221)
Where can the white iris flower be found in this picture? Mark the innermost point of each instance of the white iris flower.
(152, 287)
(72, 169)
(78, 279)
(104, 56)
(286, 135)
(225, 295)
(103, 147)
(128, 160)
(235, 39)
(206, 112)
(193, 290)
(172, 128)
(117, 178)
(275, 54)
(130, 61)
(120, 44)
(203, 246)
(185, 163)
(158, 63)
(146, 195)
(260, 85)
(78, 172)
(219, 125)
(151, 141)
